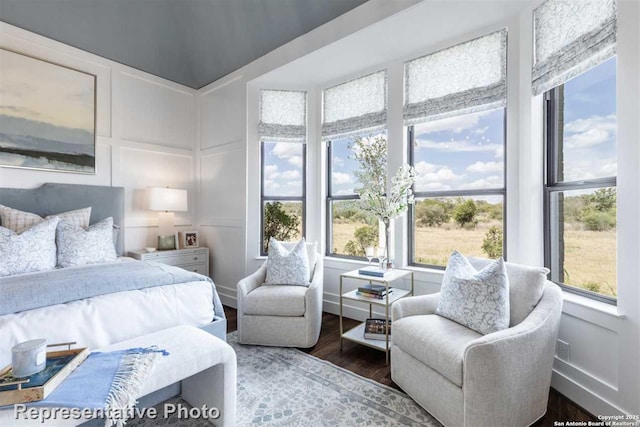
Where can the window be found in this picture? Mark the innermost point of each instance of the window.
(282, 165)
(580, 196)
(350, 230)
(283, 191)
(459, 187)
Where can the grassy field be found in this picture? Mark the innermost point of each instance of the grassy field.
(590, 256)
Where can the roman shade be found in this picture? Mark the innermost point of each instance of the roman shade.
(283, 115)
(571, 37)
(462, 79)
(355, 106)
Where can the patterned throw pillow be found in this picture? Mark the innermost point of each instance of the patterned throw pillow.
(34, 249)
(287, 267)
(77, 246)
(478, 300)
(17, 220)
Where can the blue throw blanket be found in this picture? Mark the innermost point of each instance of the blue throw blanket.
(28, 291)
(106, 381)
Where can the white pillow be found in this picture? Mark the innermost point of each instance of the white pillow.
(312, 253)
(287, 267)
(34, 249)
(478, 300)
(77, 246)
(17, 220)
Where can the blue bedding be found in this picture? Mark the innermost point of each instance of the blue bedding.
(29, 291)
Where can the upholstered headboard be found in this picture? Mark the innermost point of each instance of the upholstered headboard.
(55, 198)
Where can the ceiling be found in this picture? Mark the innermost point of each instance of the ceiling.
(191, 42)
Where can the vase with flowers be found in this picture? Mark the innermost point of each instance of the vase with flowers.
(384, 202)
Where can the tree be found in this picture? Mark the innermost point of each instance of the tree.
(365, 236)
(603, 199)
(599, 221)
(278, 223)
(432, 213)
(492, 243)
(465, 213)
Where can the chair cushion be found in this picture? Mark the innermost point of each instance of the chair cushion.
(526, 285)
(287, 267)
(275, 300)
(435, 341)
(478, 300)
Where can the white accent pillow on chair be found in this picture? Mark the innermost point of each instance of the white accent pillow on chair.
(478, 300)
(286, 267)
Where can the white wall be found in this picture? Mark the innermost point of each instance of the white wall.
(145, 133)
(602, 371)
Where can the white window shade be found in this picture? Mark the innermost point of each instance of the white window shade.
(462, 79)
(283, 115)
(355, 106)
(571, 37)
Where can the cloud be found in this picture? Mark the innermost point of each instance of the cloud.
(295, 161)
(290, 174)
(341, 178)
(453, 124)
(270, 186)
(343, 192)
(588, 138)
(286, 150)
(595, 130)
(590, 168)
(458, 146)
(481, 131)
(270, 172)
(499, 154)
(493, 181)
(434, 177)
(485, 167)
(338, 161)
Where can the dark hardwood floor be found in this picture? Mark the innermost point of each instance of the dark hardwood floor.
(370, 363)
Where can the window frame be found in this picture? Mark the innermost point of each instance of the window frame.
(454, 193)
(266, 199)
(552, 185)
(329, 211)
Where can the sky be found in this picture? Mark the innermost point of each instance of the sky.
(467, 152)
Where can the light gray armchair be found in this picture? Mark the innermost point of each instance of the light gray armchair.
(466, 379)
(282, 316)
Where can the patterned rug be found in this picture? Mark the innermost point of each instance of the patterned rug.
(287, 387)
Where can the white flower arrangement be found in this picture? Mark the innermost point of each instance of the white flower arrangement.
(384, 203)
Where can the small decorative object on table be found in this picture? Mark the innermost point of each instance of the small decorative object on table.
(29, 357)
(37, 386)
(374, 329)
(189, 239)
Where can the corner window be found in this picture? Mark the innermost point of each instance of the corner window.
(459, 189)
(350, 230)
(282, 194)
(580, 188)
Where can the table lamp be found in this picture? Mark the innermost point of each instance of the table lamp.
(167, 201)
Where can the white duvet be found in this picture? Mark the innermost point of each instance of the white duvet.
(107, 319)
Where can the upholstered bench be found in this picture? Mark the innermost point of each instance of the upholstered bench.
(199, 366)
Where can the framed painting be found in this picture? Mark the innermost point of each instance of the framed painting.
(47, 115)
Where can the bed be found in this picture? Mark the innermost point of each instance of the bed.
(102, 304)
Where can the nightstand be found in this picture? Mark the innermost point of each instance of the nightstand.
(196, 259)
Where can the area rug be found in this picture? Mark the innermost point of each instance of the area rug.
(287, 387)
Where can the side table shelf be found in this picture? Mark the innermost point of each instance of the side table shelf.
(393, 294)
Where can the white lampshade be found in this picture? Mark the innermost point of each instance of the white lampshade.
(167, 199)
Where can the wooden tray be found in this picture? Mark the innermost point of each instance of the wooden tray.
(38, 386)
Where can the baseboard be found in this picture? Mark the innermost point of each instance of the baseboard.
(583, 397)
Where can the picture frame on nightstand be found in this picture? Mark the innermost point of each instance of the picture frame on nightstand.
(189, 239)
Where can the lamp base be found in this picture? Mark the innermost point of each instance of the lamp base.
(167, 242)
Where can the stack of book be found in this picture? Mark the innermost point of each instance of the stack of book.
(374, 329)
(373, 291)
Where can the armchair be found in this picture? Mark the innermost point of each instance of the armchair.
(466, 379)
(282, 316)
